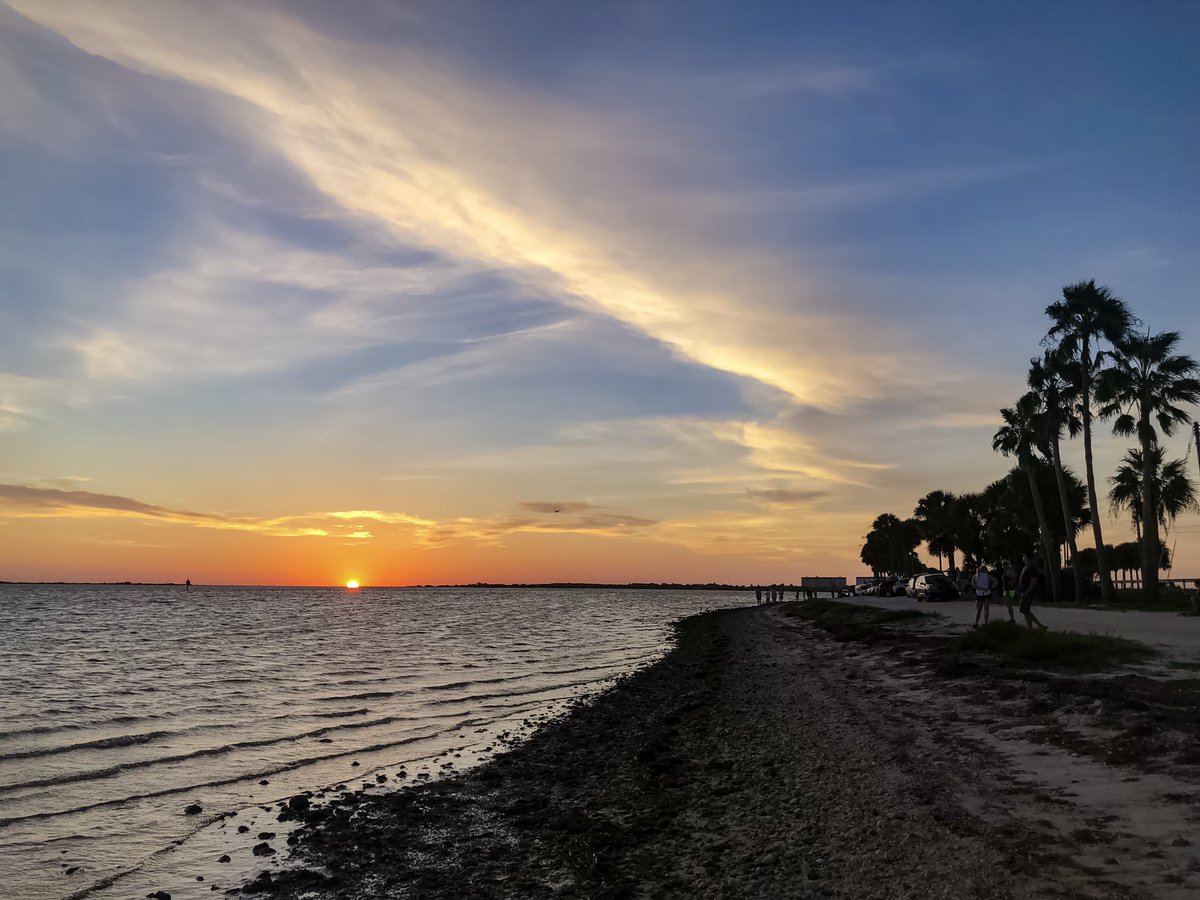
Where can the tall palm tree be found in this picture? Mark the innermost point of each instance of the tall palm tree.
(1086, 315)
(935, 515)
(1173, 491)
(1054, 378)
(1147, 385)
(1018, 437)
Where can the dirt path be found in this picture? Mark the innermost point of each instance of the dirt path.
(759, 759)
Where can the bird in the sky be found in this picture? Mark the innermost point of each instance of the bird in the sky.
(556, 509)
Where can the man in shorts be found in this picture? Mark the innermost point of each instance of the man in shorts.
(983, 582)
(1031, 583)
(1011, 580)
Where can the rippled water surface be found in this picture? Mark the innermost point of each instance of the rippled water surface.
(124, 705)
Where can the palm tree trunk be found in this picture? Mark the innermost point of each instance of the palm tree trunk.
(1151, 550)
(1106, 585)
(1068, 521)
(950, 558)
(1040, 510)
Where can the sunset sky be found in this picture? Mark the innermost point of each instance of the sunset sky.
(295, 292)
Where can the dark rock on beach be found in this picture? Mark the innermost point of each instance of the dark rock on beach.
(260, 884)
(263, 849)
(193, 809)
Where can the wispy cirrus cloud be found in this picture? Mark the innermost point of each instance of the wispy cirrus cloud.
(497, 175)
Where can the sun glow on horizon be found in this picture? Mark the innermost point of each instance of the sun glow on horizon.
(352, 585)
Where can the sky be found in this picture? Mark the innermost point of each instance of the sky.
(445, 292)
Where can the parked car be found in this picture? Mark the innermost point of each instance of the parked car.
(862, 589)
(900, 588)
(933, 587)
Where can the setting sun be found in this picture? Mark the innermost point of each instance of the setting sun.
(352, 584)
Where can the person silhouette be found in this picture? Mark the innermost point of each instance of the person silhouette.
(187, 585)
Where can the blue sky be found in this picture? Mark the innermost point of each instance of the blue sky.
(739, 276)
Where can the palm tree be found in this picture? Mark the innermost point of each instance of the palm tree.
(1053, 378)
(1086, 315)
(1148, 384)
(890, 544)
(1017, 437)
(1126, 557)
(935, 516)
(969, 524)
(1173, 491)
(1125, 489)
(1002, 511)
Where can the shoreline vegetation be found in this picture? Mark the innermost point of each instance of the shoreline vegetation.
(812, 749)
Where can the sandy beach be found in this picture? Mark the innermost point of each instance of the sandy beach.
(765, 756)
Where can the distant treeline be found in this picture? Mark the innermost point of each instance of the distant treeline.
(632, 586)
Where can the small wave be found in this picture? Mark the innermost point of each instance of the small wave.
(237, 779)
(539, 690)
(367, 695)
(77, 726)
(123, 740)
(119, 768)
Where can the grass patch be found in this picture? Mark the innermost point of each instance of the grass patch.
(1170, 599)
(850, 621)
(1051, 649)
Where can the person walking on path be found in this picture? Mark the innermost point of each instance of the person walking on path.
(1011, 582)
(758, 596)
(983, 594)
(1031, 590)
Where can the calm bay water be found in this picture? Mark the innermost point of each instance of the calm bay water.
(123, 705)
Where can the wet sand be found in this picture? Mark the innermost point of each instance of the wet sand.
(763, 758)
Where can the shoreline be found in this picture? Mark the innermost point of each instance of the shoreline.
(760, 757)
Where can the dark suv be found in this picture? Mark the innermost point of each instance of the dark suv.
(933, 587)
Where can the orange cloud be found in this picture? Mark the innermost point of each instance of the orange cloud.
(21, 501)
